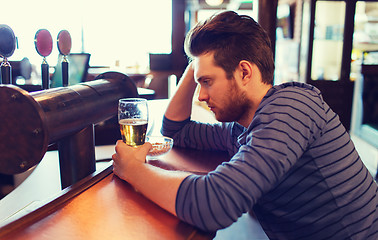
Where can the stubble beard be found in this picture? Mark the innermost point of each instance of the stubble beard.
(235, 105)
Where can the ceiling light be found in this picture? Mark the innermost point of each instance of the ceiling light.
(214, 2)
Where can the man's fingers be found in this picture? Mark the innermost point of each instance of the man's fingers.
(146, 147)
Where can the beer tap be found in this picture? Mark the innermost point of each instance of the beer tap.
(64, 47)
(7, 47)
(43, 44)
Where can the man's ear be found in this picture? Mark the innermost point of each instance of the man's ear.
(246, 70)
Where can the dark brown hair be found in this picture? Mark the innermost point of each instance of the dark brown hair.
(232, 38)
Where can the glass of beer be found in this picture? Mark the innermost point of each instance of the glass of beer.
(133, 120)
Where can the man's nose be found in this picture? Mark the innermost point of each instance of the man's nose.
(203, 95)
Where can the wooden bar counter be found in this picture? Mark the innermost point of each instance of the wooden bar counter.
(106, 207)
(102, 206)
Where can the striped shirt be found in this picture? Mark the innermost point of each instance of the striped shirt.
(295, 166)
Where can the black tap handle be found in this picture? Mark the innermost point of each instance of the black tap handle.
(6, 73)
(65, 73)
(45, 75)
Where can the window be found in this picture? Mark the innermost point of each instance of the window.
(114, 32)
(328, 40)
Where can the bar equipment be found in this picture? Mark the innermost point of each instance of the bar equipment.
(7, 47)
(65, 115)
(43, 45)
(64, 47)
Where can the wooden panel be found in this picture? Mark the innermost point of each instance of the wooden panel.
(338, 95)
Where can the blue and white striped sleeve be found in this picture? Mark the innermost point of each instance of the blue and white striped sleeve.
(196, 135)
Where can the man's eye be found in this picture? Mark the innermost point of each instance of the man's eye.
(206, 82)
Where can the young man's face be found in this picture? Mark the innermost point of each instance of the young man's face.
(223, 96)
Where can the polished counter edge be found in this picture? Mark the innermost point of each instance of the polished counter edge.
(57, 201)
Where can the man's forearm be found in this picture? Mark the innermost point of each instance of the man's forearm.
(180, 106)
(161, 186)
(155, 183)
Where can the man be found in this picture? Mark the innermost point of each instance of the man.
(293, 163)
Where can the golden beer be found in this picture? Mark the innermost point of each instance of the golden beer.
(133, 131)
